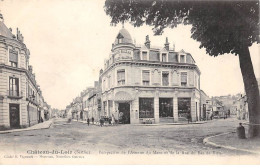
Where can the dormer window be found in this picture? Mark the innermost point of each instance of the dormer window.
(120, 40)
(182, 58)
(164, 57)
(144, 55)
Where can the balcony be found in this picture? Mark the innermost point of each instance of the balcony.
(12, 94)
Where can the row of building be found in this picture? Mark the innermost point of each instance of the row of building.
(143, 84)
(21, 101)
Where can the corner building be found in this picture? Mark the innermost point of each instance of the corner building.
(144, 84)
(20, 96)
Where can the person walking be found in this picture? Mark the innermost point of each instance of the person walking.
(189, 118)
(88, 121)
(92, 120)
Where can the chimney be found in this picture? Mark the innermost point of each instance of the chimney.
(166, 45)
(147, 42)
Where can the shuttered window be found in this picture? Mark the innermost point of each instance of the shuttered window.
(183, 78)
(146, 77)
(121, 77)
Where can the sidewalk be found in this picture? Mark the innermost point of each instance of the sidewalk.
(44, 125)
(229, 140)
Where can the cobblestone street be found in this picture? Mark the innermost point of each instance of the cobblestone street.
(134, 139)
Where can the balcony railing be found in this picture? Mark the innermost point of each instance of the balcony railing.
(14, 94)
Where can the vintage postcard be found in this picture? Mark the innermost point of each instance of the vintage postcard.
(129, 82)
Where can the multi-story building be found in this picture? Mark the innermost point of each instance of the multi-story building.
(20, 95)
(145, 84)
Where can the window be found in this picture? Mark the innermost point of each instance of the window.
(13, 58)
(164, 56)
(13, 86)
(146, 107)
(165, 107)
(182, 57)
(165, 78)
(183, 78)
(120, 40)
(121, 77)
(146, 77)
(184, 107)
(144, 55)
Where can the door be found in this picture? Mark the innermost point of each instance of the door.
(14, 115)
(124, 113)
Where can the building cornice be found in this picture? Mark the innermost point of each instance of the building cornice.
(151, 64)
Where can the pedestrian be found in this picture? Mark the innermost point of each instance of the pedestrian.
(109, 120)
(92, 120)
(77, 117)
(189, 117)
(113, 120)
(88, 121)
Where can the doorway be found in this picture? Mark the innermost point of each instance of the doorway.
(14, 115)
(166, 110)
(124, 113)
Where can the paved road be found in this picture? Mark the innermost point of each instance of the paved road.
(182, 139)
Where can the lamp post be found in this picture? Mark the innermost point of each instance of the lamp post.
(30, 98)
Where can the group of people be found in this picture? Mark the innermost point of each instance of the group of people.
(102, 120)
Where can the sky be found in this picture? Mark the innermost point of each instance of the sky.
(69, 40)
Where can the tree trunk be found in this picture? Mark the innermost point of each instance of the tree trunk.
(252, 92)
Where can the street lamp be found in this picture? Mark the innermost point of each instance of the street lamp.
(30, 98)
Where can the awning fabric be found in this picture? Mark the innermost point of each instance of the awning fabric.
(123, 97)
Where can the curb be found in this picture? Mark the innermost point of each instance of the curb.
(168, 124)
(25, 129)
(207, 141)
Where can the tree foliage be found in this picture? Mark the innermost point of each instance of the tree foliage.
(220, 26)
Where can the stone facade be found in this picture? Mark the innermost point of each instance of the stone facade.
(142, 84)
(21, 100)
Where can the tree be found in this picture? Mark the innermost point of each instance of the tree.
(220, 27)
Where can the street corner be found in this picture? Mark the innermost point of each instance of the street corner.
(230, 141)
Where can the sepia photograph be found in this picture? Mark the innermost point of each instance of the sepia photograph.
(129, 82)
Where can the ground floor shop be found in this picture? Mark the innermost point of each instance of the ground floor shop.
(152, 105)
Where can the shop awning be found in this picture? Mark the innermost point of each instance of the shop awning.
(123, 97)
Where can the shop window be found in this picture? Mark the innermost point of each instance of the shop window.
(121, 77)
(183, 78)
(164, 57)
(184, 107)
(165, 78)
(13, 58)
(146, 108)
(165, 107)
(146, 77)
(13, 86)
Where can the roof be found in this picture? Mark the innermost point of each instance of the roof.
(124, 34)
(4, 31)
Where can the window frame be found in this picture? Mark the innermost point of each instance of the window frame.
(168, 78)
(120, 83)
(147, 52)
(149, 77)
(187, 79)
